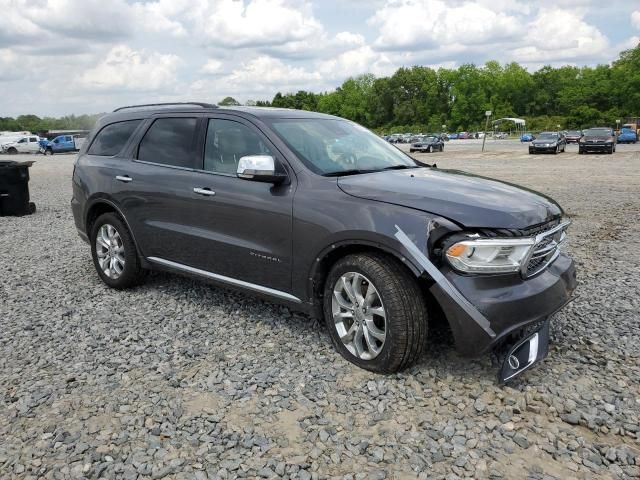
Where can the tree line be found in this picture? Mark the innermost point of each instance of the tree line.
(33, 123)
(423, 99)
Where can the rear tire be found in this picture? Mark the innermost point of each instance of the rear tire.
(125, 271)
(396, 294)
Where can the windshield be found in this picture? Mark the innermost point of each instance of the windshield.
(330, 147)
(597, 132)
(548, 135)
(574, 133)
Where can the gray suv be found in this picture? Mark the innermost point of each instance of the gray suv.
(319, 213)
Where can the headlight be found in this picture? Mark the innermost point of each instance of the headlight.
(489, 255)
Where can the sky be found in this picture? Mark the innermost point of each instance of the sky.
(60, 57)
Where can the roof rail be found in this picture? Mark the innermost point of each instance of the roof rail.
(199, 104)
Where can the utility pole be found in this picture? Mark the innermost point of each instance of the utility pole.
(486, 125)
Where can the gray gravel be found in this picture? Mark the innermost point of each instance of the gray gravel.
(181, 380)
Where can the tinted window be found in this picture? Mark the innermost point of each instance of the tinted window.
(33, 139)
(170, 141)
(111, 138)
(228, 141)
(333, 146)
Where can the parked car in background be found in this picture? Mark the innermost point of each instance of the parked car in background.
(453, 136)
(394, 138)
(598, 139)
(63, 144)
(427, 144)
(25, 144)
(232, 196)
(548, 142)
(627, 135)
(444, 137)
(527, 137)
(573, 136)
(463, 135)
(500, 135)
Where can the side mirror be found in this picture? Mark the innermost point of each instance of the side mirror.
(259, 168)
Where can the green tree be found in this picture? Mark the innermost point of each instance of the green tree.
(228, 101)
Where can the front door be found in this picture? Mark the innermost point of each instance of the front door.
(243, 228)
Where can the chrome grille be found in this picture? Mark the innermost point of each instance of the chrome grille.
(546, 249)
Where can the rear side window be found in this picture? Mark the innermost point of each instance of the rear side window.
(112, 138)
(170, 141)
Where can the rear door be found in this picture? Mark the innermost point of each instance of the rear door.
(154, 187)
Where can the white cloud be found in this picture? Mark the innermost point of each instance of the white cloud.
(260, 75)
(635, 19)
(95, 19)
(560, 35)
(126, 69)
(212, 67)
(355, 62)
(233, 23)
(419, 24)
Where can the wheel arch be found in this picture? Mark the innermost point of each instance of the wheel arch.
(103, 205)
(334, 252)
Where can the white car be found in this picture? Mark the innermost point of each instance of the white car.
(27, 144)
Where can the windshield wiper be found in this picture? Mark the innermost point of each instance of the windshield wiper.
(400, 167)
(353, 171)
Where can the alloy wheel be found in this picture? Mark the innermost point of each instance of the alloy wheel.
(359, 315)
(110, 251)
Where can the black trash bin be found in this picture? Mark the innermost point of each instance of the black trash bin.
(14, 188)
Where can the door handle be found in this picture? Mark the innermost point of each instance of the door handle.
(124, 178)
(204, 191)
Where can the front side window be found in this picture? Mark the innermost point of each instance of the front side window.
(33, 139)
(112, 138)
(227, 142)
(336, 147)
(170, 141)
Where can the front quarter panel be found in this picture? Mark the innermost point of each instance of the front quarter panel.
(326, 218)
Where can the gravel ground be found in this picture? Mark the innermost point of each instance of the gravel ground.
(180, 379)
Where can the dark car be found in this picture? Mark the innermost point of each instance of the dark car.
(548, 142)
(427, 144)
(318, 213)
(573, 136)
(598, 139)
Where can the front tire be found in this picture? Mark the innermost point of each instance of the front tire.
(48, 151)
(375, 312)
(114, 253)
(12, 151)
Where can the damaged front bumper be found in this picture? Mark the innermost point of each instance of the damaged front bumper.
(487, 312)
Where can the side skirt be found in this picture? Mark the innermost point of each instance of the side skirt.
(228, 280)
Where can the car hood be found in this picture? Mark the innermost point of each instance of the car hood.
(544, 142)
(469, 200)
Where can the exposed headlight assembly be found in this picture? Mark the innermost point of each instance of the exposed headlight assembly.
(489, 255)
